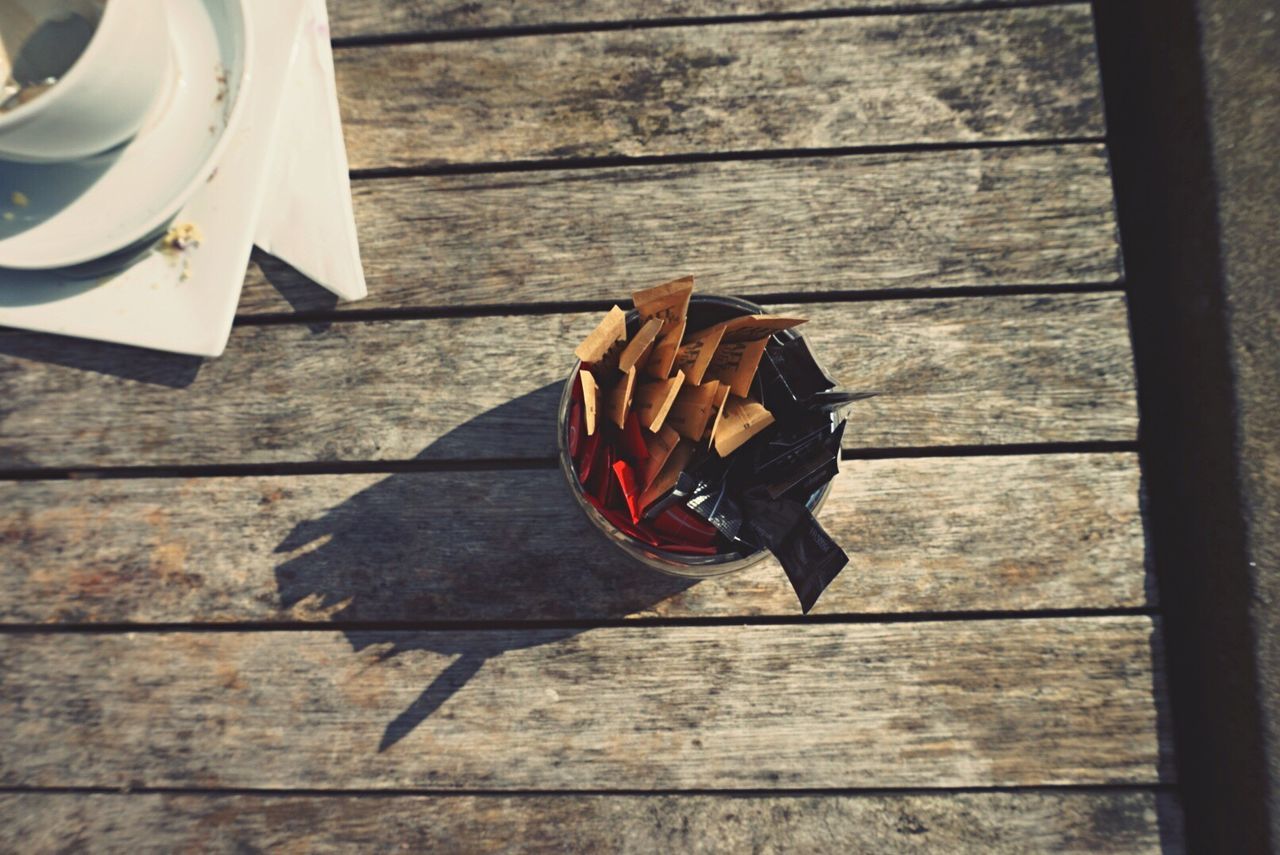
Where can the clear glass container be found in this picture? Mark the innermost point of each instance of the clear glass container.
(704, 310)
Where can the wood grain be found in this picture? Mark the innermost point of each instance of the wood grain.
(952, 371)
(1126, 821)
(1018, 74)
(984, 217)
(978, 703)
(957, 534)
(397, 17)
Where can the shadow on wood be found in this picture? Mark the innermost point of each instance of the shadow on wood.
(299, 291)
(175, 370)
(420, 548)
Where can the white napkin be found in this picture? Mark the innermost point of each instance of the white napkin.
(307, 219)
(282, 183)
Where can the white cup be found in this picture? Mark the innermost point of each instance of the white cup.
(106, 92)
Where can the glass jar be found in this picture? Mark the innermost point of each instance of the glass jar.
(704, 310)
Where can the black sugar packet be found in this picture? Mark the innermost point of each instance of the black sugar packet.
(807, 553)
(756, 498)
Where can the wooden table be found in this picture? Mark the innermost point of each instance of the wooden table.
(330, 589)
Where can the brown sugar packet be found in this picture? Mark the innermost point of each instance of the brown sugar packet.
(659, 445)
(743, 418)
(667, 476)
(670, 302)
(619, 403)
(653, 400)
(663, 358)
(722, 398)
(741, 346)
(692, 410)
(640, 346)
(694, 355)
(590, 399)
(605, 343)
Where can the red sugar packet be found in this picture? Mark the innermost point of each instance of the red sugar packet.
(588, 455)
(634, 448)
(681, 525)
(627, 483)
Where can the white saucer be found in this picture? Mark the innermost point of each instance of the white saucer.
(57, 215)
(185, 302)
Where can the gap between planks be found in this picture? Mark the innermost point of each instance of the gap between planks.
(339, 793)
(746, 155)
(390, 467)
(409, 626)
(349, 312)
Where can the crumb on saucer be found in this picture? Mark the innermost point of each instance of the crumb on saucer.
(181, 237)
(177, 241)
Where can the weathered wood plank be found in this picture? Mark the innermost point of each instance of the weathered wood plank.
(962, 534)
(962, 703)
(1128, 821)
(952, 371)
(386, 17)
(986, 217)
(997, 75)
